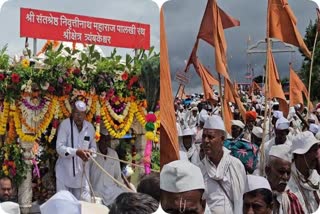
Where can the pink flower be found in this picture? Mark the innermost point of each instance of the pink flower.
(250, 163)
(51, 89)
(242, 152)
(151, 118)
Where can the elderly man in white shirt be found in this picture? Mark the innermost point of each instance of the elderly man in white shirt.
(305, 180)
(75, 142)
(187, 148)
(224, 175)
(278, 170)
(103, 186)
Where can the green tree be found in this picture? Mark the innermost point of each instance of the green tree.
(305, 69)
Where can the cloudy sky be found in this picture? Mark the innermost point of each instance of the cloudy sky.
(143, 11)
(183, 20)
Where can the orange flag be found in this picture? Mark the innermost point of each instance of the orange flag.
(207, 80)
(274, 84)
(169, 147)
(211, 30)
(228, 97)
(254, 87)
(297, 88)
(181, 94)
(282, 25)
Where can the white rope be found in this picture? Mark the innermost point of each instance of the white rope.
(90, 186)
(127, 162)
(115, 180)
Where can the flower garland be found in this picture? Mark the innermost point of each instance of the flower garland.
(40, 129)
(114, 115)
(140, 114)
(97, 121)
(151, 137)
(92, 105)
(4, 117)
(63, 108)
(27, 109)
(117, 133)
(55, 124)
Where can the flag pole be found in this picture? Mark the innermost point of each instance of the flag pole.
(266, 95)
(221, 97)
(311, 65)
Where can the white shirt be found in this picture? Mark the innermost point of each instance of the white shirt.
(102, 184)
(303, 191)
(64, 165)
(231, 175)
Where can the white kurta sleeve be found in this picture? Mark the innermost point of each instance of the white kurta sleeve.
(62, 140)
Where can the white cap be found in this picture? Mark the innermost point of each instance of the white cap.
(282, 123)
(61, 202)
(257, 182)
(275, 103)
(10, 207)
(314, 128)
(257, 131)
(188, 132)
(87, 208)
(318, 135)
(181, 176)
(282, 151)
(214, 122)
(277, 114)
(80, 105)
(181, 107)
(194, 109)
(303, 142)
(238, 123)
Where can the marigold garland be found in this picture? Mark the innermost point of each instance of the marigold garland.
(54, 126)
(140, 114)
(41, 128)
(116, 116)
(63, 108)
(92, 104)
(97, 121)
(118, 133)
(4, 117)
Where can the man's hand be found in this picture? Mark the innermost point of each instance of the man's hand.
(84, 154)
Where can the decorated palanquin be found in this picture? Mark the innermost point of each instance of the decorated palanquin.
(36, 94)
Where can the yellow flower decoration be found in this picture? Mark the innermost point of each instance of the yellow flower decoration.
(25, 63)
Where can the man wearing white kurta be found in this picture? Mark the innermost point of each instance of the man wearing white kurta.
(103, 186)
(305, 180)
(224, 176)
(74, 152)
(187, 148)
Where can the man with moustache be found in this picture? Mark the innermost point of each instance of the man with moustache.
(304, 181)
(224, 175)
(278, 172)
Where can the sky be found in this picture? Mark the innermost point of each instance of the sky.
(142, 11)
(183, 19)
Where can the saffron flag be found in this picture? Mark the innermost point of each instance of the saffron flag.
(274, 84)
(211, 30)
(181, 94)
(169, 147)
(254, 87)
(207, 80)
(282, 25)
(297, 90)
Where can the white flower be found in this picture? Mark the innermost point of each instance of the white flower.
(23, 87)
(29, 82)
(45, 86)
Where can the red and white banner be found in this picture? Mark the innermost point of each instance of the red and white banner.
(83, 29)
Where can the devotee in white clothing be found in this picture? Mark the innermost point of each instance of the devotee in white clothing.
(304, 181)
(187, 148)
(182, 188)
(258, 198)
(278, 172)
(75, 142)
(103, 186)
(224, 175)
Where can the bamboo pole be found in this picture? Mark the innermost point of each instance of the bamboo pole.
(266, 94)
(311, 66)
(221, 97)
